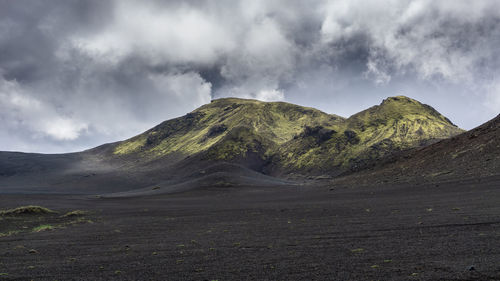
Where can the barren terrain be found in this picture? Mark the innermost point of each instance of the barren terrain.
(445, 231)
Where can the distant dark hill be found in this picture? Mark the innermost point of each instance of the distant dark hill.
(472, 155)
(233, 142)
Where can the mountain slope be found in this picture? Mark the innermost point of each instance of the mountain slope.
(201, 129)
(279, 138)
(397, 124)
(243, 136)
(472, 155)
(402, 120)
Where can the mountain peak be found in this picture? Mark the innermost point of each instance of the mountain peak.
(400, 99)
(402, 107)
(234, 100)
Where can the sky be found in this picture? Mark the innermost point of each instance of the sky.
(76, 74)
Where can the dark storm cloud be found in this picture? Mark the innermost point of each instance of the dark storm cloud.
(74, 74)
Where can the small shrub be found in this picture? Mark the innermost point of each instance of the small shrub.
(43, 227)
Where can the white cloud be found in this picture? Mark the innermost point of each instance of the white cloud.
(265, 59)
(429, 37)
(257, 54)
(493, 97)
(270, 95)
(63, 128)
(22, 111)
(187, 89)
(178, 34)
(375, 71)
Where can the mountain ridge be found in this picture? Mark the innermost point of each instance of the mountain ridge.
(276, 139)
(289, 137)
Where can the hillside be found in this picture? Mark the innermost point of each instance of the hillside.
(397, 124)
(279, 138)
(472, 155)
(233, 142)
(218, 124)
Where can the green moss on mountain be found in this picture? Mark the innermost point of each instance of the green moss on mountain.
(291, 137)
(238, 143)
(397, 124)
(197, 131)
(402, 120)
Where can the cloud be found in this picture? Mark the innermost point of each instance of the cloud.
(448, 39)
(187, 88)
(265, 59)
(75, 74)
(270, 95)
(19, 109)
(493, 97)
(179, 34)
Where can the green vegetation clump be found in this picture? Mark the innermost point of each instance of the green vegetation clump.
(9, 233)
(26, 210)
(358, 250)
(75, 213)
(38, 219)
(43, 227)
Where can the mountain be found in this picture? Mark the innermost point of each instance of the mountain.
(473, 155)
(279, 138)
(397, 124)
(236, 141)
(225, 129)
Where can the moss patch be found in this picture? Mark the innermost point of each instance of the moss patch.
(26, 210)
(75, 213)
(43, 227)
(27, 219)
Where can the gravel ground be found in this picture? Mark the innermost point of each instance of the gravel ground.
(419, 232)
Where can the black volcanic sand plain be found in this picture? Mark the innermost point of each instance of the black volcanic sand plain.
(314, 231)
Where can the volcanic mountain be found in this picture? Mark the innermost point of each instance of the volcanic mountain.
(234, 141)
